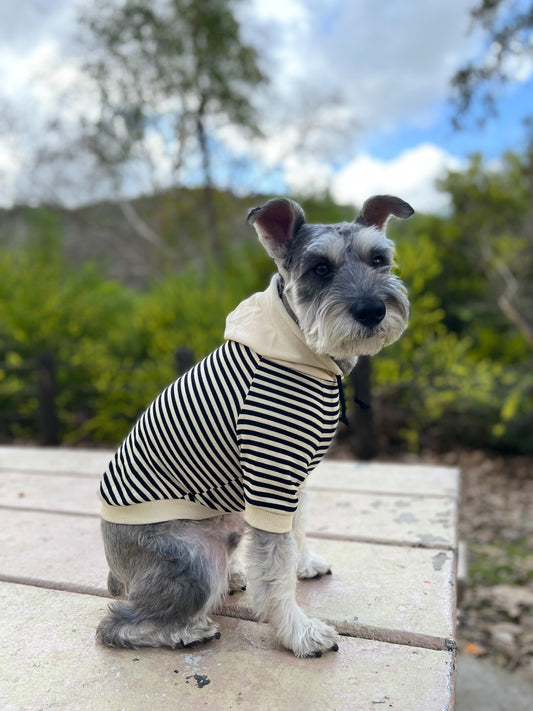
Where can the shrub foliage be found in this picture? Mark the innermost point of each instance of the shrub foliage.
(461, 375)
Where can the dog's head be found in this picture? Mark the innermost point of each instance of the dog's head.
(336, 279)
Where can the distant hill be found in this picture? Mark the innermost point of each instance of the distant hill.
(133, 242)
(136, 242)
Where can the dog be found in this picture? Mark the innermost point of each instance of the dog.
(240, 432)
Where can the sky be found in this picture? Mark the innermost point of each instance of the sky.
(365, 82)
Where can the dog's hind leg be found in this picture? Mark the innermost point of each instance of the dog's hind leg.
(174, 573)
(310, 565)
(237, 581)
(127, 626)
(115, 586)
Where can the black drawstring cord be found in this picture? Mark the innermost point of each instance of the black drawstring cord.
(343, 417)
(363, 405)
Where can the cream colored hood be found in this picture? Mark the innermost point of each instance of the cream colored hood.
(263, 323)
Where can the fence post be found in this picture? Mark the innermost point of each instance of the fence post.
(184, 359)
(48, 424)
(362, 436)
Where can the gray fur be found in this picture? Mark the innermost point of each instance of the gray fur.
(274, 563)
(173, 573)
(325, 307)
(336, 283)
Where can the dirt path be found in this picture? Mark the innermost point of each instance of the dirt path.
(495, 618)
(496, 521)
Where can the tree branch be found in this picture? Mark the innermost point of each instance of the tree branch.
(138, 224)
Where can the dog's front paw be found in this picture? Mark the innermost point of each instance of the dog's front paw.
(312, 566)
(311, 638)
(236, 581)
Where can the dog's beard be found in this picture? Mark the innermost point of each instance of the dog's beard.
(331, 330)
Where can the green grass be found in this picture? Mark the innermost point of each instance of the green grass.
(502, 564)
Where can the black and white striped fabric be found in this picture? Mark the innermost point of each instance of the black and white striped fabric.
(237, 432)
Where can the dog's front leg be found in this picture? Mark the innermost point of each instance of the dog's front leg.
(310, 565)
(272, 576)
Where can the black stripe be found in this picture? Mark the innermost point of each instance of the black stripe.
(275, 504)
(152, 462)
(202, 461)
(287, 414)
(121, 484)
(272, 450)
(249, 435)
(136, 465)
(254, 471)
(296, 376)
(206, 405)
(273, 426)
(268, 490)
(233, 411)
(168, 481)
(275, 395)
(305, 398)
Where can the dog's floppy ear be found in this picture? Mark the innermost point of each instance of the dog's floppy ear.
(276, 223)
(377, 210)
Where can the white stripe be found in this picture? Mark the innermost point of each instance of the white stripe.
(232, 416)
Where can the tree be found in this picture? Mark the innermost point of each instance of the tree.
(495, 206)
(167, 75)
(492, 238)
(508, 27)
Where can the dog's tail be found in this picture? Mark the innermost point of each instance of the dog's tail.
(120, 627)
(128, 629)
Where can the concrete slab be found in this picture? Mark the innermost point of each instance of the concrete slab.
(55, 459)
(387, 478)
(388, 519)
(56, 548)
(395, 587)
(359, 516)
(50, 491)
(50, 662)
(403, 591)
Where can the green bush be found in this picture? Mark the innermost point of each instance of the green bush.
(455, 377)
(114, 348)
(444, 387)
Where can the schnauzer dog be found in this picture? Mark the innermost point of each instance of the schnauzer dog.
(240, 432)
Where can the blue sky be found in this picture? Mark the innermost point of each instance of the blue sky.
(505, 132)
(392, 62)
(357, 103)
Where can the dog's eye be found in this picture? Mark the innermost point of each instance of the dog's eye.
(378, 260)
(323, 269)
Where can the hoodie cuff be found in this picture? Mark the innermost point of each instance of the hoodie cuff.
(266, 520)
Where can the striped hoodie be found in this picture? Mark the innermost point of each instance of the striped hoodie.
(238, 432)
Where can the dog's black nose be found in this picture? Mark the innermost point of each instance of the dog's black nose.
(369, 312)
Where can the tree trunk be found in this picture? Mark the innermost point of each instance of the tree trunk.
(362, 433)
(209, 202)
(48, 423)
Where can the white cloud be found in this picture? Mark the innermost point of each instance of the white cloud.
(306, 175)
(411, 176)
(388, 65)
(342, 72)
(388, 62)
(9, 165)
(517, 66)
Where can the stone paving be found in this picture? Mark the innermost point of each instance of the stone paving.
(389, 532)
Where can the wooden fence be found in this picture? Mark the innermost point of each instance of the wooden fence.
(42, 387)
(41, 390)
